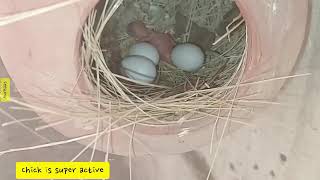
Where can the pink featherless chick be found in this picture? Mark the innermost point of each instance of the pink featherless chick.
(162, 41)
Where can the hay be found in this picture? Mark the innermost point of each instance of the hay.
(177, 94)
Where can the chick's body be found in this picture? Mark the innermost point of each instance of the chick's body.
(162, 41)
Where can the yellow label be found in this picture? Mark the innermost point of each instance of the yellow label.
(4, 89)
(62, 170)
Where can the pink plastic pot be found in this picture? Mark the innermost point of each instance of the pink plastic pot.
(41, 53)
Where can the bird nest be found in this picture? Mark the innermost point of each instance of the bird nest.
(216, 26)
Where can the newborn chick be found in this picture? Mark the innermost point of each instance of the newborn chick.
(162, 41)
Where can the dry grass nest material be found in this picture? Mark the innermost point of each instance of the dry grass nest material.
(177, 94)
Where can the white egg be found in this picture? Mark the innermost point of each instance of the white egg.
(146, 50)
(139, 68)
(187, 57)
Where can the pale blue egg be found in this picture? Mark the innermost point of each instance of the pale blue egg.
(139, 68)
(187, 57)
(145, 49)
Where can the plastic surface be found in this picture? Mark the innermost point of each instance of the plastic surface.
(41, 54)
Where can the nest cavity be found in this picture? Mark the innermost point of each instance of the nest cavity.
(214, 25)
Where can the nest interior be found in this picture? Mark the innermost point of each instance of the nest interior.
(176, 93)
